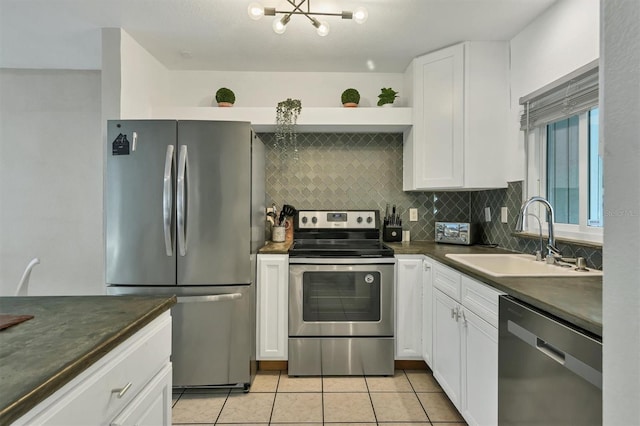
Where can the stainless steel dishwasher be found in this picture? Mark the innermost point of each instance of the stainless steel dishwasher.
(549, 372)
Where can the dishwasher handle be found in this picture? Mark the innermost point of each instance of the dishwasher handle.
(567, 360)
(551, 351)
(210, 298)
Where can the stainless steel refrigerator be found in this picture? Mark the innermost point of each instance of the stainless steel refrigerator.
(184, 215)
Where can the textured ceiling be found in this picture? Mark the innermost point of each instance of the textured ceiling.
(218, 34)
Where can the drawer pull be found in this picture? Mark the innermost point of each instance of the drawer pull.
(122, 391)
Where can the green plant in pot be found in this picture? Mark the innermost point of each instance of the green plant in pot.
(225, 97)
(350, 98)
(387, 96)
(287, 113)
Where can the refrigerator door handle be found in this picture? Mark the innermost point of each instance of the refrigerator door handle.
(211, 298)
(182, 201)
(167, 200)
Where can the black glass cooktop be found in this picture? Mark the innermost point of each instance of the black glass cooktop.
(339, 248)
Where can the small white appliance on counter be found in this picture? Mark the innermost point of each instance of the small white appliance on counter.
(463, 233)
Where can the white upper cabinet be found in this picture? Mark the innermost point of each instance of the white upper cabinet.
(460, 101)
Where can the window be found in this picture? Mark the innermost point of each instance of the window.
(563, 162)
(596, 183)
(563, 191)
(566, 168)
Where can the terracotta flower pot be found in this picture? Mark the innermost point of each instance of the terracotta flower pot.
(225, 104)
(350, 105)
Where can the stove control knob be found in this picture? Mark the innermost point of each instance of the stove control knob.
(369, 219)
(304, 219)
(314, 220)
(359, 219)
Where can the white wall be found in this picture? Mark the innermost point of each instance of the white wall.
(51, 181)
(620, 103)
(144, 80)
(562, 39)
(261, 89)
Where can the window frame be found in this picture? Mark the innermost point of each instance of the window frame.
(537, 184)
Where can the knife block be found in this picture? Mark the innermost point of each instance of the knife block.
(391, 233)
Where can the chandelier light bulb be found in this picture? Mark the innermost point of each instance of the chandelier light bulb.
(255, 11)
(360, 15)
(279, 27)
(323, 29)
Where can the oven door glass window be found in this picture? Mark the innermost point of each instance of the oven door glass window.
(341, 296)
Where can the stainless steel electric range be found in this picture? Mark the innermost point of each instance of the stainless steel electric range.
(341, 295)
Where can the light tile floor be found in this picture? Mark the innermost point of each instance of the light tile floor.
(410, 397)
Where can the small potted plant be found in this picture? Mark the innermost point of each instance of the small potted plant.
(225, 97)
(387, 97)
(350, 98)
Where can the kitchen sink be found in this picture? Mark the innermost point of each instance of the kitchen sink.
(518, 265)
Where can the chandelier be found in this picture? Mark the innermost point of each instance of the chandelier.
(257, 11)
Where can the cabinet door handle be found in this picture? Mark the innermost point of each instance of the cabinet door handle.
(122, 391)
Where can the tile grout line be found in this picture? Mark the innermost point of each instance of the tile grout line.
(417, 397)
(322, 396)
(275, 395)
(366, 383)
(222, 408)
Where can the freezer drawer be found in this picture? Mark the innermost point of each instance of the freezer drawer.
(213, 335)
(211, 343)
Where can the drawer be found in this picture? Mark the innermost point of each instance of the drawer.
(481, 299)
(91, 398)
(447, 280)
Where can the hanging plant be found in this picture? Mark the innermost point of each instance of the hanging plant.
(287, 113)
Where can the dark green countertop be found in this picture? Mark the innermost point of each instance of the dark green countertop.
(275, 248)
(576, 300)
(66, 336)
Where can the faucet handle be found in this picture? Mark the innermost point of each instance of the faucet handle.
(553, 249)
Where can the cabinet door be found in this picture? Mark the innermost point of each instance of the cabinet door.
(152, 406)
(447, 345)
(409, 308)
(480, 371)
(272, 306)
(438, 119)
(427, 312)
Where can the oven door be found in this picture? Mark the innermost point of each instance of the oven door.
(341, 298)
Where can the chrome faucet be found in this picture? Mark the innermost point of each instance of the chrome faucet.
(552, 251)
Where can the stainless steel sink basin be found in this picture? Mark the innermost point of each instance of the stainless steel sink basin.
(517, 265)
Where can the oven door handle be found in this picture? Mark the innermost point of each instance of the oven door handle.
(341, 261)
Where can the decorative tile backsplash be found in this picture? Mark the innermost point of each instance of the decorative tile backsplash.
(364, 171)
(355, 171)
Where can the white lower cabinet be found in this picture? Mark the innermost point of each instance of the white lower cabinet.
(447, 345)
(465, 344)
(427, 311)
(408, 326)
(272, 291)
(480, 377)
(129, 385)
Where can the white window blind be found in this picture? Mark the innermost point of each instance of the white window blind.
(570, 95)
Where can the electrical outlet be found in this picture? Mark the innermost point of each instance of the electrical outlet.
(504, 215)
(413, 215)
(487, 214)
